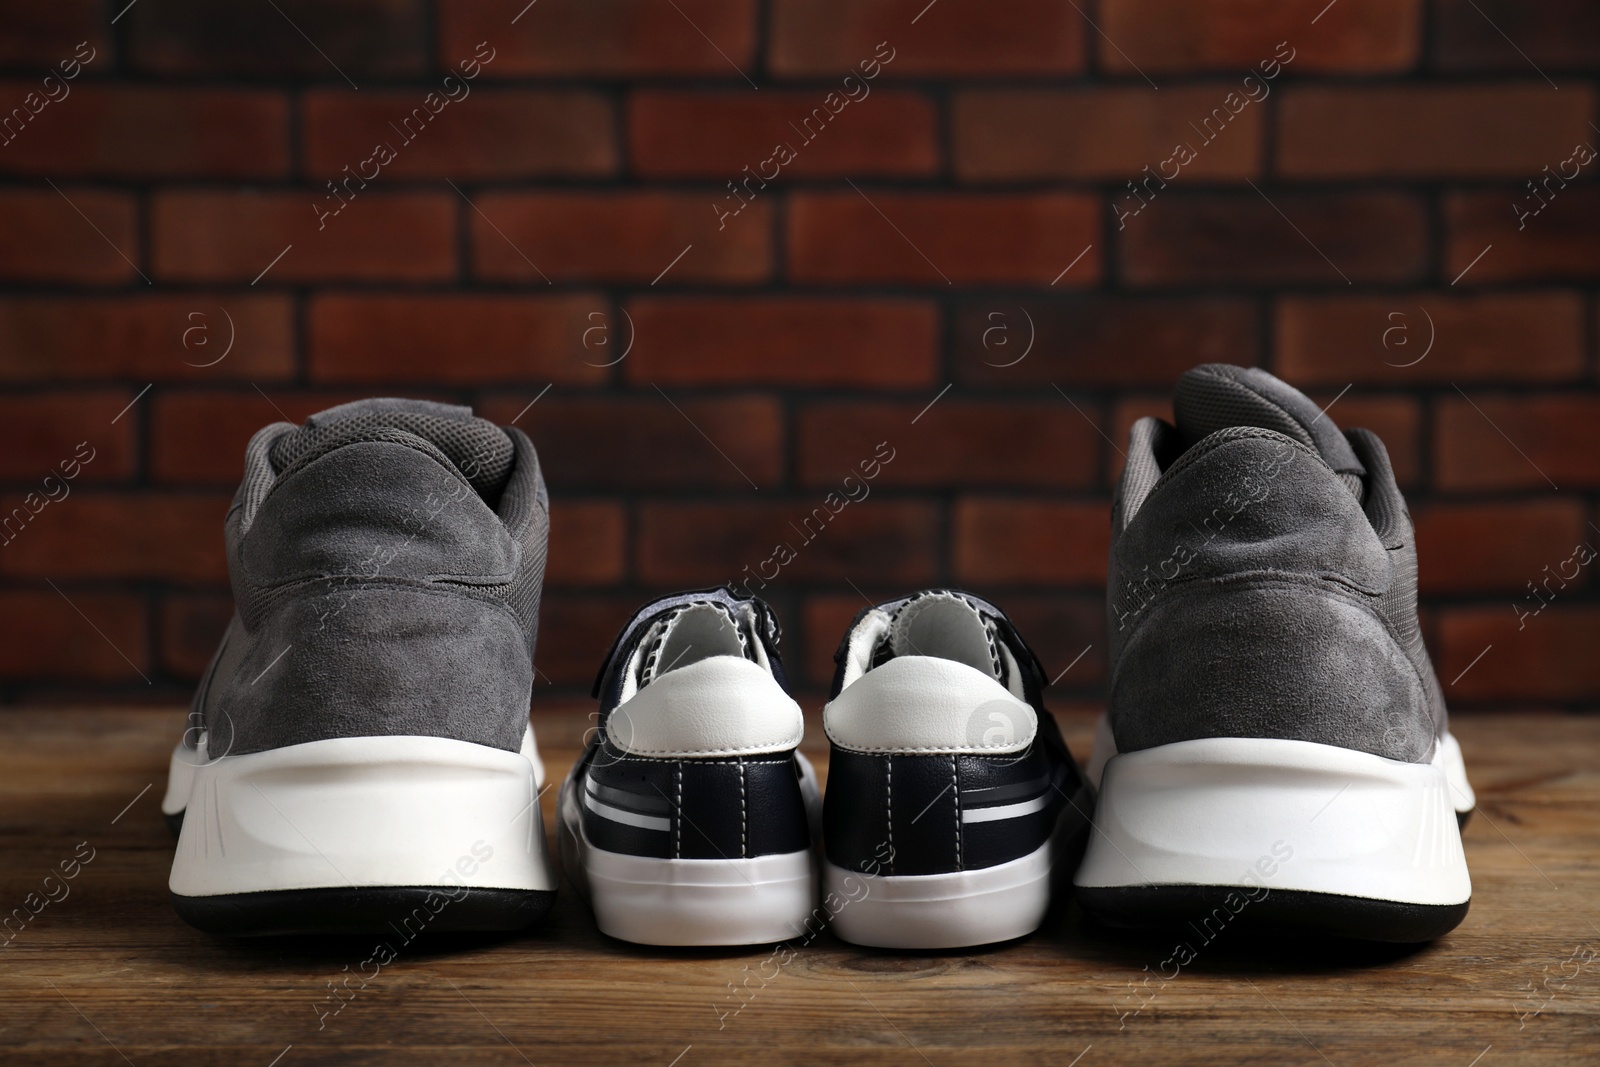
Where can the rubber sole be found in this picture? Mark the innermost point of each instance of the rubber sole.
(1282, 834)
(359, 835)
(1210, 909)
(406, 911)
(649, 900)
(958, 909)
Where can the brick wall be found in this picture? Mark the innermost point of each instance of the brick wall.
(1349, 201)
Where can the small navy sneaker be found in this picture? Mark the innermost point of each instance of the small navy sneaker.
(953, 805)
(690, 817)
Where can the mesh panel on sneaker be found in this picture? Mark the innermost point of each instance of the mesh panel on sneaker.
(478, 448)
(1147, 443)
(1217, 396)
(258, 472)
(525, 509)
(1206, 403)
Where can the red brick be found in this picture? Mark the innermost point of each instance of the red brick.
(1561, 241)
(644, 443)
(355, 39)
(41, 431)
(1060, 629)
(1163, 36)
(200, 437)
(49, 638)
(1550, 658)
(1495, 548)
(170, 536)
(1098, 341)
(452, 338)
(1370, 339)
(43, 35)
(150, 337)
(1103, 132)
(50, 236)
(192, 625)
(879, 236)
(1553, 34)
(801, 342)
(1395, 419)
(719, 134)
(487, 134)
(1498, 443)
(953, 443)
(1428, 131)
(144, 132)
(831, 38)
(235, 236)
(588, 542)
(1006, 541)
(1240, 238)
(603, 38)
(574, 632)
(684, 544)
(619, 237)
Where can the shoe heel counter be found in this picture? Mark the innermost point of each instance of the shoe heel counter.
(717, 707)
(372, 659)
(723, 808)
(1286, 657)
(891, 814)
(900, 814)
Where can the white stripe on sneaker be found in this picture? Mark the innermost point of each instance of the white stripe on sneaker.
(628, 818)
(1005, 811)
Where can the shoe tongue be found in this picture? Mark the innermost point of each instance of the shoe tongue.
(948, 626)
(479, 449)
(1218, 396)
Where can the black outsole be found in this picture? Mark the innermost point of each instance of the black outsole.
(1210, 909)
(387, 910)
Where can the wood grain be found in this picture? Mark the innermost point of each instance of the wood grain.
(109, 975)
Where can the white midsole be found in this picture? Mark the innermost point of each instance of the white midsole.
(359, 812)
(1447, 754)
(654, 901)
(954, 909)
(1455, 772)
(1279, 814)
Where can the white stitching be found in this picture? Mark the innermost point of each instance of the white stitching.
(937, 750)
(744, 817)
(786, 742)
(888, 788)
(613, 760)
(955, 788)
(677, 822)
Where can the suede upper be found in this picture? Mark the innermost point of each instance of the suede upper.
(386, 562)
(1263, 579)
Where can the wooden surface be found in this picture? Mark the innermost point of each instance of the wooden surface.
(109, 974)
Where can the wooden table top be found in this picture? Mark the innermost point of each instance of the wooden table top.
(108, 974)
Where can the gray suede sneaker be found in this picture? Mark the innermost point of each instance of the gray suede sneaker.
(358, 757)
(1275, 749)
